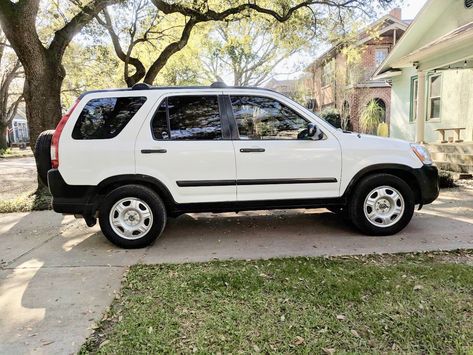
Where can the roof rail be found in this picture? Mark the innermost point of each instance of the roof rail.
(218, 84)
(141, 86)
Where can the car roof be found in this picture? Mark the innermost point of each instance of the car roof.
(143, 86)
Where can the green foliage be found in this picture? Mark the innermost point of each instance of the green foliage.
(375, 304)
(332, 116)
(371, 116)
(446, 179)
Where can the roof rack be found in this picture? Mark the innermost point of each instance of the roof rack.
(218, 84)
(141, 86)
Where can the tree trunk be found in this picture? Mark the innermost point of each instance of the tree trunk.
(3, 137)
(42, 94)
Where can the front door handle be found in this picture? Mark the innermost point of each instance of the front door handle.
(252, 150)
(153, 151)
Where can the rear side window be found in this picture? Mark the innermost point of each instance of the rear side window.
(187, 118)
(105, 118)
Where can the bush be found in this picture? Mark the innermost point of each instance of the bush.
(333, 117)
(446, 180)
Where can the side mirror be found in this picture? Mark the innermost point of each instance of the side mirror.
(311, 132)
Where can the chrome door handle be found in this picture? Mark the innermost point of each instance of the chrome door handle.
(153, 151)
(252, 150)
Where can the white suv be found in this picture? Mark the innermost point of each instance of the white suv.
(133, 157)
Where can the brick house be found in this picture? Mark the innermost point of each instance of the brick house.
(340, 80)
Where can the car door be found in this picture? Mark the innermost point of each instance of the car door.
(273, 160)
(186, 146)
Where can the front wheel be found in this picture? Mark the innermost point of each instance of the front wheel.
(382, 204)
(132, 216)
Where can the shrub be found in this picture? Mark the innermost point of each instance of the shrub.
(446, 180)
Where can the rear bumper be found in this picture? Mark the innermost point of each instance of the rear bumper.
(70, 199)
(428, 180)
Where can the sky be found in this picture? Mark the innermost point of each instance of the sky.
(410, 9)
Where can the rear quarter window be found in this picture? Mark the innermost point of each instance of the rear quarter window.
(105, 118)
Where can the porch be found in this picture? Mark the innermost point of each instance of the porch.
(454, 157)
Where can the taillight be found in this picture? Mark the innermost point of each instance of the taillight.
(57, 135)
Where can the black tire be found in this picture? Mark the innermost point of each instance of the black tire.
(148, 196)
(42, 154)
(356, 210)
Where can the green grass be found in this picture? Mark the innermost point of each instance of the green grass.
(408, 303)
(15, 153)
(29, 201)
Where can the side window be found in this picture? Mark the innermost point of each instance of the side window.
(264, 118)
(105, 118)
(188, 118)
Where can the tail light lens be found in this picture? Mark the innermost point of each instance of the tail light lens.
(57, 135)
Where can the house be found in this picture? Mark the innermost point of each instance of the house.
(286, 87)
(18, 131)
(431, 74)
(342, 83)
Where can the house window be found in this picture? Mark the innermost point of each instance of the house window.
(434, 103)
(380, 55)
(414, 98)
(328, 72)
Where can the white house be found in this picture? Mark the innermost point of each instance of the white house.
(431, 73)
(18, 131)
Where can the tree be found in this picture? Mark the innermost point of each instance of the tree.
(10, 71)
(42, 60)
(249, 49)
(371, 116)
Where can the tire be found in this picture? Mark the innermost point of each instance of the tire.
(393, 202)
(42, 154)
(142, 201)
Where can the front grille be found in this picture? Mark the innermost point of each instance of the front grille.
(469, 4)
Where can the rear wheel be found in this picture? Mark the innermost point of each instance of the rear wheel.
(132, 216)
(42, 154)
(382, 204)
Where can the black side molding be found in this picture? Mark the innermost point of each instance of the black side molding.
(243, 182)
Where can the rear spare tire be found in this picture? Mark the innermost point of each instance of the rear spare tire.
(42, 154)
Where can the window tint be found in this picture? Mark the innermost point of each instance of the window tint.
(264, 118)
(188, 118)
(106, 117)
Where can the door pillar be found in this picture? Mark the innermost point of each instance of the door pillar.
(421, 96)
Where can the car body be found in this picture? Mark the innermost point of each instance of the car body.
(221, 148)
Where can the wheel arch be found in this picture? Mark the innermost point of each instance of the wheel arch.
(403, 172)
(111, 183)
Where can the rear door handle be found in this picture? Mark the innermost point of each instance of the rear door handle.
(153, 151)
(252, 150)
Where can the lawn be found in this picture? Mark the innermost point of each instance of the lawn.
(419, 303)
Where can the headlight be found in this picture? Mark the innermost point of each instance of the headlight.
(422, 153)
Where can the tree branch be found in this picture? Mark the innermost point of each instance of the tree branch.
(63, 37)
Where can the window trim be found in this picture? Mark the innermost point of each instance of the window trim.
(235, 124)
(223, 118)
(429, 98)
(412, 100)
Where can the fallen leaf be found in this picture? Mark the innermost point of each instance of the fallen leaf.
(105, 342)
(283, 318)
(328, 351)
(299, 340)
(341, 317)
(256, 348)
(355, 333)
(418, 287)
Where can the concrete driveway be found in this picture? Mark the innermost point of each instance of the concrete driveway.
(58, 276)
